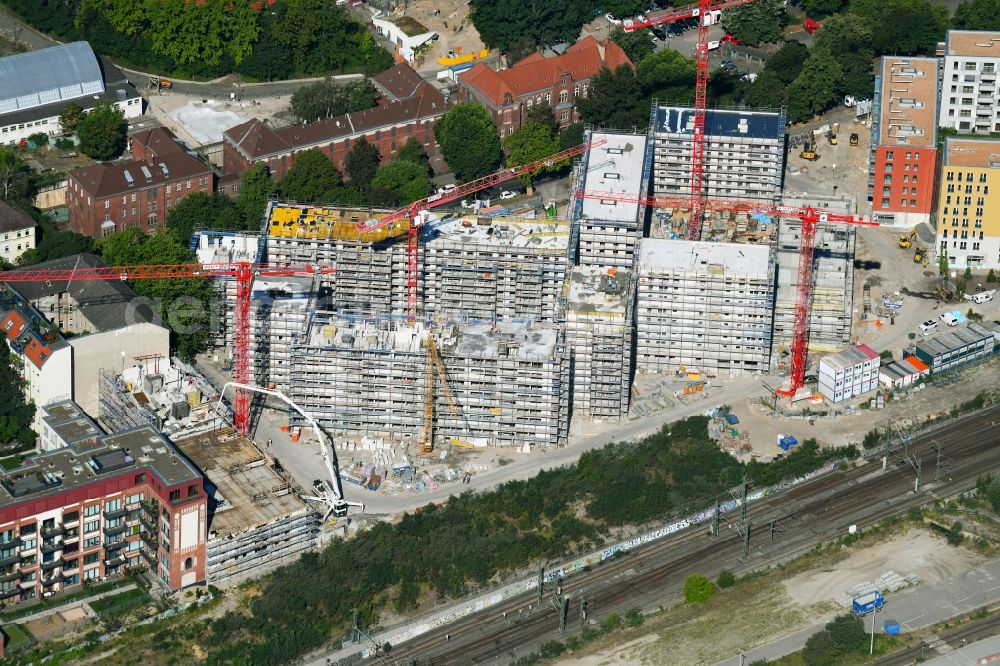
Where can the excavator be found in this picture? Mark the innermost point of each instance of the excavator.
(906, 240)
(808, 151)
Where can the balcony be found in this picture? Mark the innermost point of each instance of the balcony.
(10, 559)
(51, 547)
(116, 561)
(48, 566)
(52, 580)
(117, 545)
(150, 557)
(118, 529)
(52, 531)
(10, 575)
(8, 593)
(114, 515)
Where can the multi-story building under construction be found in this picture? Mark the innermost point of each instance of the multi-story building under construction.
(503, 384)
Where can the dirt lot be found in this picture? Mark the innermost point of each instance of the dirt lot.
(840, 169)
(199, 121)
(775, 606)
(450, 19)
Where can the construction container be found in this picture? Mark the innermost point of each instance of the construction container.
(296, 433)
(194, 398)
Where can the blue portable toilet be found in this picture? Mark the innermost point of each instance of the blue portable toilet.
(891, 627)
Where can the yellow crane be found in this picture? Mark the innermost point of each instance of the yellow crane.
(435, 367)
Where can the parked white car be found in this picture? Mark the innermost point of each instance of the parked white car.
(949, 319)
(928, 326)
(507, 194)
(447, 189)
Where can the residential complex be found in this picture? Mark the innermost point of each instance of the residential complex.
(36, 86)
(704, 307)
(744, 153)
(18, 232)
(608, 213)
(387, 127)
(557, 81)
(849, 373)
(903, 156)
(969, 99)
(98, 506)
(968, 223)
(139, 193)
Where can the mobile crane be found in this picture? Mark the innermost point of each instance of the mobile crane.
(330, 492)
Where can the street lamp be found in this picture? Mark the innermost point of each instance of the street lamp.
(871, 650)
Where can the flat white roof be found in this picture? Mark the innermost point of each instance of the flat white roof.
(662, 255)
(542, 234)
(614, 167)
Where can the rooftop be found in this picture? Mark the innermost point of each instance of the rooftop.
(55, 74)
(849, 358)
(972, 43)
(410, 26)
(582, 61)
(28, 332)
(598, 289)
(661, 255)
(972, 152)
(106, 180)
(257, 140)
(13, 218)
(722, 122)
(288, 220)
(614, 167)
(88, 461)
(909, 100)
(157, 141)
(107, 304)
(399, 82)
(244, 490)
(70, 423)
(483, 341)
(955, 339)
(541, 235)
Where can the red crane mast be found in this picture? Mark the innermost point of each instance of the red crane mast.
(446, 196)
(244, 274)
(810, 217)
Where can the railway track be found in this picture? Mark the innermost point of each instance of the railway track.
(955, 638)
(810, 513)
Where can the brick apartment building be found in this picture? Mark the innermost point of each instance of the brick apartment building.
(409, 107)
(98, 506)
(106, 198)
(510, 93)
(903, 157)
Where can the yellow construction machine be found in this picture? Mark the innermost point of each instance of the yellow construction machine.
(854, 138)
(918, 255)
(808, 151)
(831, 136)
(906, 240)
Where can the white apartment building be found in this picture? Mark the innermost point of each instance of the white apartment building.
(704, 306)
(17, 232)
(969, 99)
(849, 373)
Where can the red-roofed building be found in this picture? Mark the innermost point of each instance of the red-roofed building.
(510, 93)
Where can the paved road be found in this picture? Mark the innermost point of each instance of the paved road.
(22, 33)
(913, 608)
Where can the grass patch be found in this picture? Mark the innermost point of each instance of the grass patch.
(12, 462)
(58, 600)
(118, 604)
(18, 635)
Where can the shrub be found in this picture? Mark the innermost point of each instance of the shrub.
(697, 589)
(611, 623)
(634, 617)
(725, 579)
(955, 536)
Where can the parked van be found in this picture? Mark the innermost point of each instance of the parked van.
(983, 297)
(949, 319)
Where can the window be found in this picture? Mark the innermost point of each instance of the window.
(107, 203)
(133, 197)
(548, 98)
(564, 116)
(885, 203)
(134, 499)
(140, 478)
(91, 526)
(888, 155)
(970, 66)
(31, 528)
(563, 96)
(28, 544)
(175, 495)
(188, 563)
(168, 189)
(91, 574)
(913, 202)
(91, 558)
(92, 542)
(113, 505)
(192, 490)
(71, 517)
(189, 184)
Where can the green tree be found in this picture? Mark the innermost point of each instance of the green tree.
(362, 164)
(725, 579)
(786, 64)
(847, 632)
(312, 178)
(16, 414)
(668, 76)
(325, 99)
(625, 8)
(988, 489)
(821, 650)
(821, 8)
(256, 189)
(518, 26)
(103, 132)
(977, 15)
(53, 244)
(469, 141)
(636, 44)
(955, 536)
(571, 136)
(756, 23)
(16, 184)
(697, 589)
(202, 211)
(542, 114)
(205, 31)
(766, 92)
(848, 37)
(634, 617)
(70, 118)
(406, 180)
(943, 265)
(530, 143)
(991, 276)
(815, 87)
(903, 27)
(614, 100)
(183, 304)
(413, 151)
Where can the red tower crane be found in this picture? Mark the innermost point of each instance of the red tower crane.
(448, 195)
(700, 92)
(810, 217)
(244, 274)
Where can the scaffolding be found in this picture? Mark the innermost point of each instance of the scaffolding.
(118, 408)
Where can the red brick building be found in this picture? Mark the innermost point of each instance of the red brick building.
(409, 107)
(106, 198)
(903, 162)
(510, 93)
(98, 507)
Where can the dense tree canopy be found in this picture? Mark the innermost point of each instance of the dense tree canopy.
(815, 88)
(668, 76)
(977, 15)
(756, 23)
(519, 26)
(103, 132)
(70, 117)
(54, 244)
(848, 37)
(636, 44)
(621, 99)
(818, 9)
(407, 181)
(361, 164)
(256, 188)
(16, 185)
(530, 143)
(185, 305)
(469, 141)
(844, 636)
(786, 64)
(16, 413)
(202, 211)
(312, 178)
(326, 99)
